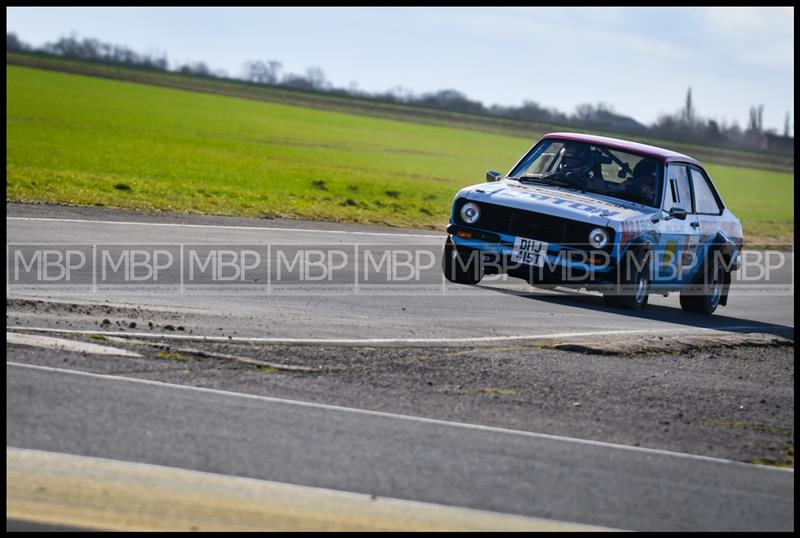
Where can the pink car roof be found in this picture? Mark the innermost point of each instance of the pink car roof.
(661, 154)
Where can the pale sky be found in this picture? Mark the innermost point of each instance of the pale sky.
(639, 60)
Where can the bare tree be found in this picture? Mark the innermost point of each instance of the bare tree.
(15, 43)
(451, 100)
(584, 112)
(94, 50)
(274, 69)
(195, 68)
(316, 77)
(262, 72)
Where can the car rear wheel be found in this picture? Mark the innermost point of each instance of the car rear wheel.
(460, 265)
(634, 289)
(705, 300)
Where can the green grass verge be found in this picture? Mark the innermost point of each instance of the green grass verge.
(763, 200)
(91, 141)
(325, 101)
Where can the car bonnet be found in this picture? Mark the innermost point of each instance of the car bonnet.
(558, 202)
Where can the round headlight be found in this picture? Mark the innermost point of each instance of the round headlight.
(598, 238)
(470, 213)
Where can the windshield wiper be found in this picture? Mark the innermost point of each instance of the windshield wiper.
(528, 179)
(553, 178)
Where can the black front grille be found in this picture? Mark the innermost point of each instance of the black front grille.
(518, 222)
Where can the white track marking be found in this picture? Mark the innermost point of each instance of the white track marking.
(409, 418)
(48, 342)
(224, 227)
(367, 341)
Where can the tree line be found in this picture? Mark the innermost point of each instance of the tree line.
(686, 124)
(683, 125)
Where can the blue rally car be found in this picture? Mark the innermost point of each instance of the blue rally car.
(603, 214)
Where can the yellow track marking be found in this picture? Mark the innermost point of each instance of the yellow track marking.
(96, 493)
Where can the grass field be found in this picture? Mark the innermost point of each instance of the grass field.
(84, 140)
(325, 101)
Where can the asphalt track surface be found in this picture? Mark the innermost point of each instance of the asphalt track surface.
(341, 309)
(460, 465)
(385, 455)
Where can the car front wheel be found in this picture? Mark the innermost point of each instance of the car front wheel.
(460, 265)
(634, 288)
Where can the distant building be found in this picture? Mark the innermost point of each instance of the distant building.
(777, 144)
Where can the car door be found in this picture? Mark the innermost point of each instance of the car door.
(676, 255)
(707, 205)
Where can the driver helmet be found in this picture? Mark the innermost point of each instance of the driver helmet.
(575, 156)
(645, 170)
(644, 177)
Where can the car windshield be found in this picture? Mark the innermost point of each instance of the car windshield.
(592, 168)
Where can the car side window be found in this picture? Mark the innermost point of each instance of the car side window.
(704, 199)
(678, 192)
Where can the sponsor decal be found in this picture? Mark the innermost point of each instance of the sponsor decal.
(566, 202)
(669, 253)
(690, 252)
(631, 229)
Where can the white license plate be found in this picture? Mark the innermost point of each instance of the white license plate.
(529, 251)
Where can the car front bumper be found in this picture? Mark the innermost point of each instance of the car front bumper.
(572, 265)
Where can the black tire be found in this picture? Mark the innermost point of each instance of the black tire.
(705, 295)
(634, 279)
(460, 265)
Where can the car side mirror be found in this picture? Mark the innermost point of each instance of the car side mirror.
(491, 175)
(678, 213)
